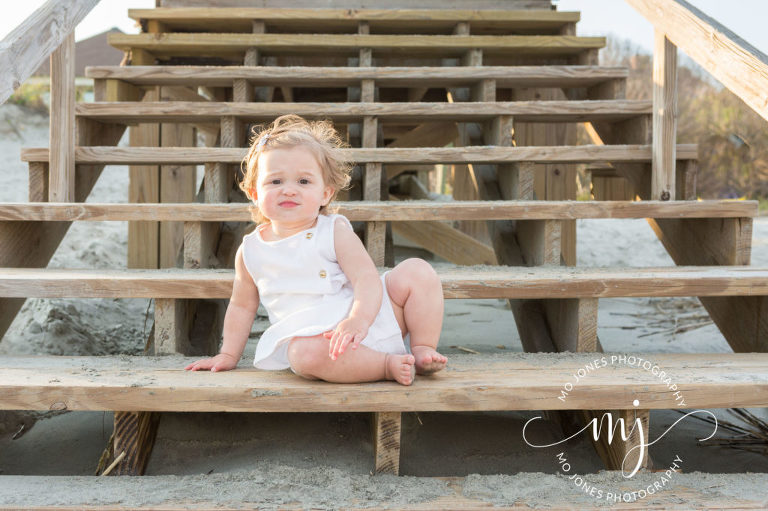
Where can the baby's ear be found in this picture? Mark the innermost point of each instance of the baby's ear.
(327, 194)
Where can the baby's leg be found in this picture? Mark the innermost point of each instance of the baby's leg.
(417, 299)
(308, 356)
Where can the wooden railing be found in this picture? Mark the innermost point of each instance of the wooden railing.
(49, 31)
(735, 63)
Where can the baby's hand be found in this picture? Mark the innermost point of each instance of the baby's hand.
(349, 331)
(221, 362)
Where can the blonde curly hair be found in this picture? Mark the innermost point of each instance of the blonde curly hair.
(291, 130)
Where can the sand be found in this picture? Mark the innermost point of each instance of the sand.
(324, 460)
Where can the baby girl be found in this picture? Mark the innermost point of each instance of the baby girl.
(332, 316)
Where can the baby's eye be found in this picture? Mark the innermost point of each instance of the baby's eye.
(275, 182)
(304, 181)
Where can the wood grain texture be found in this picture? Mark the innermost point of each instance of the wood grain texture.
(410, 154)
(531, 111)
(396, 211)
(308, 76)
(501, 18)
(24, 49)
(732, 61)
(523, 381)
(203, 44)
(461, 282)
(61, 170)
(134, 434)
(446, 241)
(664, 118)
(386, 442)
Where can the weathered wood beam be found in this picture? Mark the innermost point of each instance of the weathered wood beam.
(664, 118)
(739, 66)
(62, 123)
(24, 49)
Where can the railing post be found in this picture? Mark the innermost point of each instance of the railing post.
(61, 186)
(664, 117)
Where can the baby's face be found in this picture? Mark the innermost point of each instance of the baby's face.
(290, 187)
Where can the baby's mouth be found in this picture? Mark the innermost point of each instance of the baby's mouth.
(288, 204)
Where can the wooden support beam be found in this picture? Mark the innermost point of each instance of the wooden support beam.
(38, 182)
(447, 242)
(742, 320)
(664, 117)
(386, 442)
(144, 186)
(62, 124)
(134, 434)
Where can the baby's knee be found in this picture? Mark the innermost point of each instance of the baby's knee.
(304, 356)
(419, 272)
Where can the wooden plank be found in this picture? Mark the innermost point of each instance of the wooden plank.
(38, 182)
(530, 111)
(400, 151)
(203, 44)
(732, 61)
(27, 46)
(470, 282)
(573, 324)
(177, 185)
(539, 19)
(134, 434)
(520, 381)
(386, 442)
(446, 241)
(61, 171)
(358, 4)
(308, 76)
(172, 325)
(540, 241)
(395, 211)
(664, 117)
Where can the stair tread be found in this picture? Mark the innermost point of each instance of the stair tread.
(514, 381)
(419, 155)
(413, 210)
(532, 111)
(557, 18)
(201, 44)
(480, 282)
(306, 76)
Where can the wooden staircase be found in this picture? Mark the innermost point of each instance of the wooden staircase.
(504, 89)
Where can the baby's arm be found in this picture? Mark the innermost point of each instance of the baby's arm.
(358, 266)
(237, 321)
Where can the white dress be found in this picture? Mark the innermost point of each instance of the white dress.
(305, 292)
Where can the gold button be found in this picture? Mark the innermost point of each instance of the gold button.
(322, 274)
(309, 235)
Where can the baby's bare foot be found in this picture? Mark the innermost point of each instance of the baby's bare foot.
(428, 360)
(399, 368)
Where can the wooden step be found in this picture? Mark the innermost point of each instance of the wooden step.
(521, 381)
(527, 111)
(385, 211)
(235, 45)
(301, 76)
(511, 282)
(111, 155)
(418, 21)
